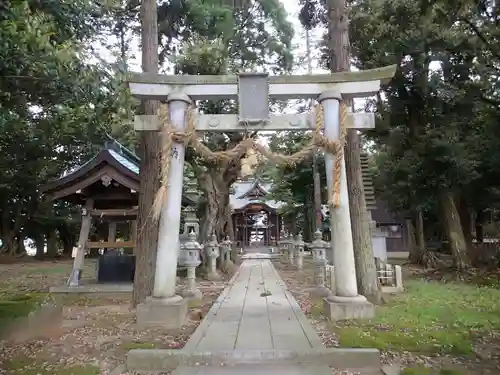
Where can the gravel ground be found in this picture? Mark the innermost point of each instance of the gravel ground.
(96, 331)
(487, 349)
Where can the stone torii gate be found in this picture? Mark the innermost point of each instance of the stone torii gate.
(253, 91)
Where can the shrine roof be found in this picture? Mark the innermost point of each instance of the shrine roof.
(240, 198)
(242, 194)
(111, 177)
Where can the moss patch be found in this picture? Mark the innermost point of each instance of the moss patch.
(431, 317)
(194, 303)
(317, 308)
(139, 345)
(30, 366)
(429, 371)
(13, 306)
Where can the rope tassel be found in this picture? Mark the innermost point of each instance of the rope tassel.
(334, 200)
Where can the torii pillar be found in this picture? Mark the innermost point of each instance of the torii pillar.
(345, 302)
(165, 308)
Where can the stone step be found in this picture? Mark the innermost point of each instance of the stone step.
(271, 370)
(170, 359)
(255, 369)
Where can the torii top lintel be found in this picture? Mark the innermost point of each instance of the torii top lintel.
(358, 84)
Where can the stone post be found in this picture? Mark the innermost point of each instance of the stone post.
(291, 250)
(227, 263)
(164, 308)
(192, 260)
(212, 252)
(299, 250)
(283, 245)
(319, 248)
(347, 303)
(399, 278)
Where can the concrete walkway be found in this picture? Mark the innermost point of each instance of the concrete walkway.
(266, 252)
(255, 326)
(255, 312)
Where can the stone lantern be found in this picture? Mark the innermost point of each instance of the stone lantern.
(299, 249)
(318, 249)
(212, 252)
(191, 250)
(191, 222)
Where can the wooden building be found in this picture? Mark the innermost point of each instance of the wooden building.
(255, 218)
(107, 187)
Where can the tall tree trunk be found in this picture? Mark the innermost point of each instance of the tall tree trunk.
(9, 242)
(479, 225)
(422, 255)
(216, 218)
(366, 272)
(147, 229)
(465, 220)
(453, 230)
(21, 249)
(414, 253)
(68, 239)
(52, 243)
(309, 217)
(420, 232)
(39, 240)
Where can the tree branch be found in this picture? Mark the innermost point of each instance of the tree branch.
(481, 36)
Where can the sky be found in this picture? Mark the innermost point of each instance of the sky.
(291, 7)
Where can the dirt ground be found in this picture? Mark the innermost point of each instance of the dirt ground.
(399, 326)
(97, 331)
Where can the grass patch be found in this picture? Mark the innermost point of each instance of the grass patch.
(48, 270)
(13, 306)
(194, 303)
(139, 345)
(429, 371)
(30, 366)
(431, 317)
(317, 308)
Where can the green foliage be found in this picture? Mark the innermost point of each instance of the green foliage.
(232, 40)
(429, 317)
(295, 184)
(218, 39)
(437, 119)
(31, 366)
(54, 107)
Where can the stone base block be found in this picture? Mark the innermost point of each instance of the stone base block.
(338, 308)
(394, 369)
(190, 295)
(319, 291)
(229, 267)
(213, 276)
(159, 312)
(156, 360)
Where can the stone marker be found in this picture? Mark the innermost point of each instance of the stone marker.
(299, 250)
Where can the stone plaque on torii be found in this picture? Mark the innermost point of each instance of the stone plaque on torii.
(253, 91)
